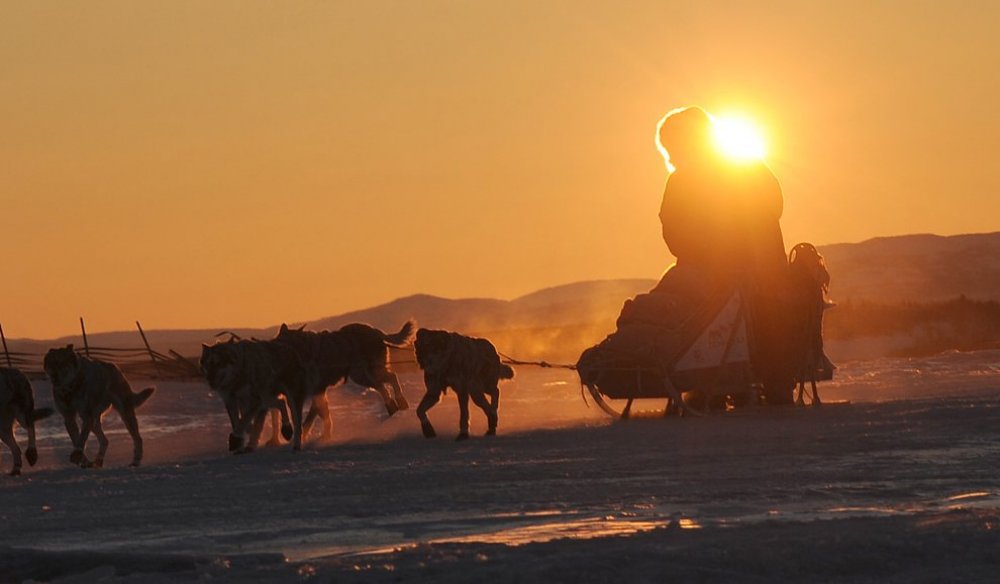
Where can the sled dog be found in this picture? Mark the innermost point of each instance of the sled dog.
(84, 389)
(470, 366)
(252, 377)
(358, 352)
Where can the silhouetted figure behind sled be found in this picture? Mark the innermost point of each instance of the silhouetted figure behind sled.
(810, 283)
(720, 220)
(728, 315)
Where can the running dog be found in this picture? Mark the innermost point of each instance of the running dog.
(470, 366)
(252, 377)
(86, 388)
(358, 352)
(17, 404)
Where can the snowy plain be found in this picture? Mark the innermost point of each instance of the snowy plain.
(901, 485)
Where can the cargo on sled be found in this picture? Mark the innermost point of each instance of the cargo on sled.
(715, 345)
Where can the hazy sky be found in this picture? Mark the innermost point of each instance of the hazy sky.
(206, 164)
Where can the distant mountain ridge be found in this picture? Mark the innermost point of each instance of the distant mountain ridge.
(916, 268)
(569, 304)
(556, 322)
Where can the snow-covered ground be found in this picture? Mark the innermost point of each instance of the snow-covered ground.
(901, 485)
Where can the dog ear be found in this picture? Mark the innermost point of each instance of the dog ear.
(70, 346)
(301, 327)
(283, 329)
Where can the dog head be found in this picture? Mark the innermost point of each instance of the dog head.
(221, 363)
(433, 349)
(61, 365)
(297, 337)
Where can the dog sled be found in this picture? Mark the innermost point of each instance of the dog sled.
(718, 356)
(709, 354)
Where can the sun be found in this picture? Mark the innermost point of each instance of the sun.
(738, 138)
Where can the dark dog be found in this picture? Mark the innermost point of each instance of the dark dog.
(87, 388)
(251, 377)
(470, 366)
(357, 352)
(17, 404)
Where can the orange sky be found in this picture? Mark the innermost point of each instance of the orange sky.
(194, 164)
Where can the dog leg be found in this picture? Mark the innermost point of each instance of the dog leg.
(327, 417)
(275, 439)
(488, 409)
(319, 408)
(235, 419)
(280, 426)
(397, 391)
(286, 422)
(431, 398)
(243, 428)
(31, 454)
(390, 403)
(127, 414)
(7, 436)
(310, 419)
(295, 405)
(102, 442)
(463, 416)
(73, 429)
(86, 425)
(256, 429)
(815, 401)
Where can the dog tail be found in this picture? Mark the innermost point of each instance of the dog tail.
(506, 372)
(140, 398)
(403, 336)
(41, 414)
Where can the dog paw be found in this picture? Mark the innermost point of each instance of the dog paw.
(235, 443)
(76, 456)
(402, 404)
(428, 431)
(15, 472)
(462, 436)
(491, 432)
(96, 463)
(31, 454)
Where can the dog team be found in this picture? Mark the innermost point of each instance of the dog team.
(255, 377)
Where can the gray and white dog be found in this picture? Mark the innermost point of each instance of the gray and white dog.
(83, 390)
(468, 365)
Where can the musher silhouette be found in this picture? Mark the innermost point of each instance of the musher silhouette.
(720, 220)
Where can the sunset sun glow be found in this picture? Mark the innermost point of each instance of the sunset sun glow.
(738, 138)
